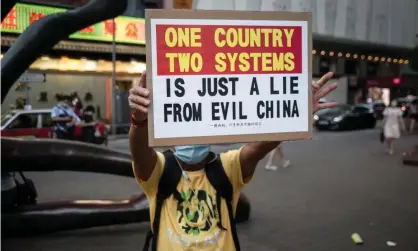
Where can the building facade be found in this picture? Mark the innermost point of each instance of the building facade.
(365, 42)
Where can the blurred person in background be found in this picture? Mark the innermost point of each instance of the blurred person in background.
(277, 151)
(88, 124)
(76, 103)
(392, 124)
(64, 118)
(413, 114)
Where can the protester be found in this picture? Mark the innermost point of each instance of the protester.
(392, 123)
(88, 124)
(277, 151)
(76, 103)
(64, 118)
(413, 114)
(192, 218)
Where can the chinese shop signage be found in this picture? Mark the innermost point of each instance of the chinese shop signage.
(128, 29)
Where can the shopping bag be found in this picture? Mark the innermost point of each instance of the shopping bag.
(382, 137)
(97, 133)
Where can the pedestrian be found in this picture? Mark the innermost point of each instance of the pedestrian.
(88, 124)
(413, 114)
(76, 103)
(205, 186)
(392, 123)
(64, 118)
(277, 151)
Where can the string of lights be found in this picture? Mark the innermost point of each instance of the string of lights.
(371, 58)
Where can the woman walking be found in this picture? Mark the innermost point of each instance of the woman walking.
(392, 124)
(277, 151)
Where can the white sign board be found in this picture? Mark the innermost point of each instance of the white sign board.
(32, 77)
(228, 76)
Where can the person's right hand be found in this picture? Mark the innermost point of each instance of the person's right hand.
(138, 99)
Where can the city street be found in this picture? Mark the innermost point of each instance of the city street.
(338, 183)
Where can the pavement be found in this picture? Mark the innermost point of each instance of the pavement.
(338, 183)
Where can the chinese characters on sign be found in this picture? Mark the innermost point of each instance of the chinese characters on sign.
(33, 16)
(225, 80)
(109, 27)
(237, 124)
(127, 29)
(89, 30)
(9, 21)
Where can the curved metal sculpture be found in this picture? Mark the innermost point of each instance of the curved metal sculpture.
(20, 155)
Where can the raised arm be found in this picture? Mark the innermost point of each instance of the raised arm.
(252, 153)
(144, 157)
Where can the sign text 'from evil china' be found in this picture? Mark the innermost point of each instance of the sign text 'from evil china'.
(234, 49)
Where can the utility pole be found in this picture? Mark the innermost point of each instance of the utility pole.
(113, 126)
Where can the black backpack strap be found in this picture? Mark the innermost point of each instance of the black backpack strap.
(166, 187)
(219, 180)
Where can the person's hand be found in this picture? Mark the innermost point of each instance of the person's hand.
(319, 91)
(138, 99)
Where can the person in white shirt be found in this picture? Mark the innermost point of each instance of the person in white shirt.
(392, 123)
(276, 151)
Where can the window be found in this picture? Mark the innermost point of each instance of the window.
(46, 120)
(5, 117)
(25, 121)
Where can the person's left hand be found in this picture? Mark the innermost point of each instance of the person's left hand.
(319, 91)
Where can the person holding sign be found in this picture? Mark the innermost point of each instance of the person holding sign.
(193, 193)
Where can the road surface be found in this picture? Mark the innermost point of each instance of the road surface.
(338, 183)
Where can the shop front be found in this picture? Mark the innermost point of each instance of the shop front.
(82, 64)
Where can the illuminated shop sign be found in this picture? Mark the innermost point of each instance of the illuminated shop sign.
(128, 29)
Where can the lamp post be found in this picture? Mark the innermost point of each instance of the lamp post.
(113, 78)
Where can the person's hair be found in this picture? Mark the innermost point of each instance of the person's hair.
(73, 95)
(68, 98)
(394, 103)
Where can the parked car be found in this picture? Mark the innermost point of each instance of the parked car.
(345, 117)
(38, 123)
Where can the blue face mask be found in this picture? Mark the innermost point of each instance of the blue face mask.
(192, 154)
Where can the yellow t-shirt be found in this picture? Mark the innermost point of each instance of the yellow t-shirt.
(192, 225)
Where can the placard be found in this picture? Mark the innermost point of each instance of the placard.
(228, 76)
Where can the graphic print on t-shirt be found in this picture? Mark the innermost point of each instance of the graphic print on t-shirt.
(197, 212)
